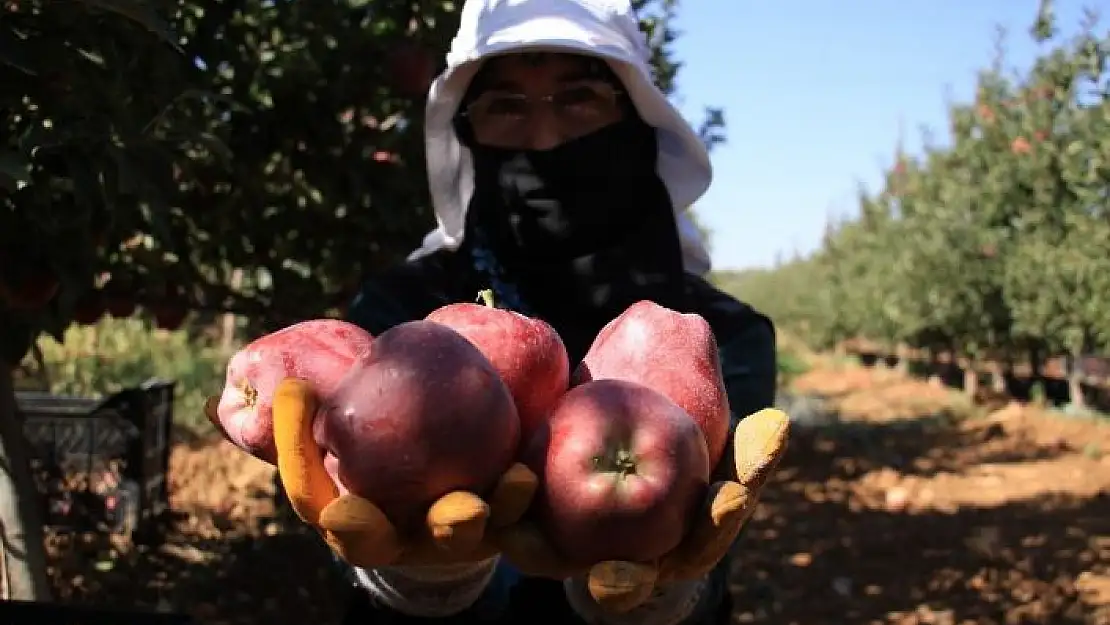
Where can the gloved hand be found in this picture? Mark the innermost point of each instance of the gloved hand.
(758, 444)
(458, 527)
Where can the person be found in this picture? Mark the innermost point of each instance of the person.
(561, 177)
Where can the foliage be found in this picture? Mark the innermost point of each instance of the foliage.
(211, 156)
(790, 366)
(101, 359)
(218, 155)
(998, 242)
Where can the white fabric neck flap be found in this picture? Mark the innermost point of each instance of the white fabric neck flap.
(607, 29)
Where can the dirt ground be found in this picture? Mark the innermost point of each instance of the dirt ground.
(903, 510)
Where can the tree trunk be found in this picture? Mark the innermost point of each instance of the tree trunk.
(22, 553)
(227, 323)
(1075, 379)
(971, 380)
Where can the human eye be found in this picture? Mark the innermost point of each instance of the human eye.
(586, 99)
(504, 105)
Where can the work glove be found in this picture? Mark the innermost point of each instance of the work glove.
(758, 444)
(457, 529)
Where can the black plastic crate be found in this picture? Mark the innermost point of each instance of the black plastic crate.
(101, 465)
(42, 613)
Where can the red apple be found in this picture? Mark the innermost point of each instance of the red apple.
(412, 69)
(120, 306)
(527, 353)
(673, 353)
(30, 290)
(88, 309)
(622, 469)
(320, 351)
(169, 316)
(423, 415)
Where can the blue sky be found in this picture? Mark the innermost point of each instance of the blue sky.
(815, 93)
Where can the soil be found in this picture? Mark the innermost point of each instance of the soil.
(910, 507)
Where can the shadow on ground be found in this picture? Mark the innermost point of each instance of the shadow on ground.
(818, 552)
(233, 579)
(825, 548)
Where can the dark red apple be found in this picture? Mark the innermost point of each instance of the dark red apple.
(423, 415)
(29, 290)
(88, 309)
(320, 351)
(120, 306)
(169, 315)
(673, 353)
(412, 68)
(527, 353)
(622, 470)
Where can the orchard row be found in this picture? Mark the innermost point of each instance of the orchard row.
(994, 244)
(264, 156)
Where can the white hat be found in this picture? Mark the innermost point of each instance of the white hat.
(608, 29)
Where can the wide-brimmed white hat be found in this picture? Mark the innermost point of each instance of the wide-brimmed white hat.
(607, 29)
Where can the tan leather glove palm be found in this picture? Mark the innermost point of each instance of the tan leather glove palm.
(758, 444)
(458, 528)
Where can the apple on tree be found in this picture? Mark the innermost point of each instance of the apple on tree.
(28, 290)
(89, 308)
(412, 68)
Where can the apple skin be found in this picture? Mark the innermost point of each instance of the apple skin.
(670, 352)
(622, 470)
(527, 353)
(88, 309)
(120, 306)
(320, 351)
(412, 69)
(169, 317)
(423, 415)
(31, 292)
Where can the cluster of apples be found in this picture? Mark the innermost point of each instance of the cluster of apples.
(623, 445)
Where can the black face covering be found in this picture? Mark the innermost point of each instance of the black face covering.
(583, 230)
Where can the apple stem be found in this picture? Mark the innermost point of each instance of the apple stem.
(485, 296)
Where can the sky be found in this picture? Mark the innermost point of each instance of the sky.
(816, 94)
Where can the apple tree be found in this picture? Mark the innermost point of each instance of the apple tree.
(995, 245)
(207, 157)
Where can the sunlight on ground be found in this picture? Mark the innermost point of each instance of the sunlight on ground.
(890, 515)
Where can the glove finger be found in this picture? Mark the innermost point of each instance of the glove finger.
(350, 513)
(619, 586)
(300, 461)
(758, 445)
(512, 496)
(523, 545)
(727, 508)
(359, 532)
(456, 522)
